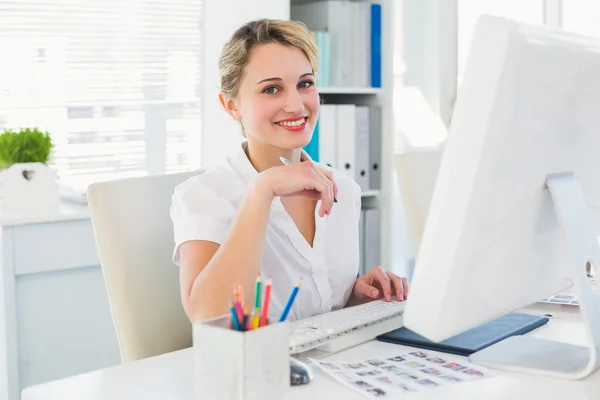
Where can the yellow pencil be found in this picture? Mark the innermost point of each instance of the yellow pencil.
(255, 318)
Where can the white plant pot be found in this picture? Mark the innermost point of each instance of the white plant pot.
(28, 188)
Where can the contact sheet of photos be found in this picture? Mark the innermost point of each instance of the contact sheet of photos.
(408, 372)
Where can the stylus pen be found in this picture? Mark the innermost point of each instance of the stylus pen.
(288, 162)
(290, 301)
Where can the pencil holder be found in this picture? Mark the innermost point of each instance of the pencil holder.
(241, 365)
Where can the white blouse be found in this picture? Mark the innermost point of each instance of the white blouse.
(204, 206)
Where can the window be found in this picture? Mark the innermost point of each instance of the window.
(529, 11)
(116, 83)
(582, 17)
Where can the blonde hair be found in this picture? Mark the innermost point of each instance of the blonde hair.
(236, 52)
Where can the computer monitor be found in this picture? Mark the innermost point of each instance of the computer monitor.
(509, 221)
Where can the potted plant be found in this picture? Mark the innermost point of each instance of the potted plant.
(26, 182)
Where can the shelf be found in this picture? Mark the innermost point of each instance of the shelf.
(348, 90)
(370, 193)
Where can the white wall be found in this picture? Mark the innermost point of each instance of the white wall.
(220, 135)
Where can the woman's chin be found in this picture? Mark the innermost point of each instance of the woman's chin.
(296, 140)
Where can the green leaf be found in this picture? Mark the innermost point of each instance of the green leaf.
(24, 145)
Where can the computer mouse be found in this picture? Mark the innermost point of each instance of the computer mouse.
(300, 373)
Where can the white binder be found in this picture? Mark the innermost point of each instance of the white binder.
(327, 135)
(361, 153)
(334, 17)
(375, 147)
(372, 238)
(362, 270)
(346, 139)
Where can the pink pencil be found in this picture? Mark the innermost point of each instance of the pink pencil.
(265, 309)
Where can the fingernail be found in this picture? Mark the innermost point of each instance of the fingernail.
(334, 200)
(388, 297)
(374, 293)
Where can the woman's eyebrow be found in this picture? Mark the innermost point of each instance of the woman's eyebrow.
(277, 79)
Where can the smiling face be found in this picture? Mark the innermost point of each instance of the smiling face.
(277, 101)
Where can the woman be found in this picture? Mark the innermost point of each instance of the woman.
(255, 215)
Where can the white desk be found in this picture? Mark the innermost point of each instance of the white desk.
(170, 376)
(55, 318)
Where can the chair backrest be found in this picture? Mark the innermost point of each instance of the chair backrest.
(134, 238)
(416, 171)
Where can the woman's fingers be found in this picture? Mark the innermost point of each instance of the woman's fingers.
(326, 194)
(363, 288)
(329, 175)
(317, 183)
(324, 185)
(398, 284)
(384, 281)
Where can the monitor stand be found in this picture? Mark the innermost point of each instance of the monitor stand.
(546, 357)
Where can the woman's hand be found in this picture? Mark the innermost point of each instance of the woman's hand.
(306, 179)
(377, 284)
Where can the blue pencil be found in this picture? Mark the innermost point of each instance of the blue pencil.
(234, 317)
(290, 301)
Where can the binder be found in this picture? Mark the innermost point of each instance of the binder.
(375, 147)
(362, 145)
(376, 45)
(327, 135)
(346, 139)
(364, 44)
(372, 238)
(332, 17)
(322, 40)
(312, 147)
(361, 244)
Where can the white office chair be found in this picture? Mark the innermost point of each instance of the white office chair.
(134, 238)
(416, 171)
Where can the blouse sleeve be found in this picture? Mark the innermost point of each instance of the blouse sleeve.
(199, 212)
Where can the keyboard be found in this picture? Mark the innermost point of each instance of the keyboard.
(340, 329)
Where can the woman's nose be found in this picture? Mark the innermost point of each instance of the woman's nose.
(294, 103)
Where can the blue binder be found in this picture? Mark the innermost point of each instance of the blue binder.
(473, 340)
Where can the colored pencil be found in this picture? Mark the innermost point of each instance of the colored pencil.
(247, 320)
(290, 301)
(265, 307)
(240, 290)
(237, 304)
(255, 318)
(240, 311)
(258, 292)
(234, 317)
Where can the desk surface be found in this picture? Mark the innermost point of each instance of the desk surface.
(65, 212)
(170, 376)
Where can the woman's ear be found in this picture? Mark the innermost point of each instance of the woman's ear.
(229, 105)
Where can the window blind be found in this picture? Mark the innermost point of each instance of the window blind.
(116, 83)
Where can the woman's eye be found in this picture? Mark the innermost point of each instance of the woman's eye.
(270, 90)
(306, 84)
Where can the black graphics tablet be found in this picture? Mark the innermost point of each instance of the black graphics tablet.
(473, 340)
